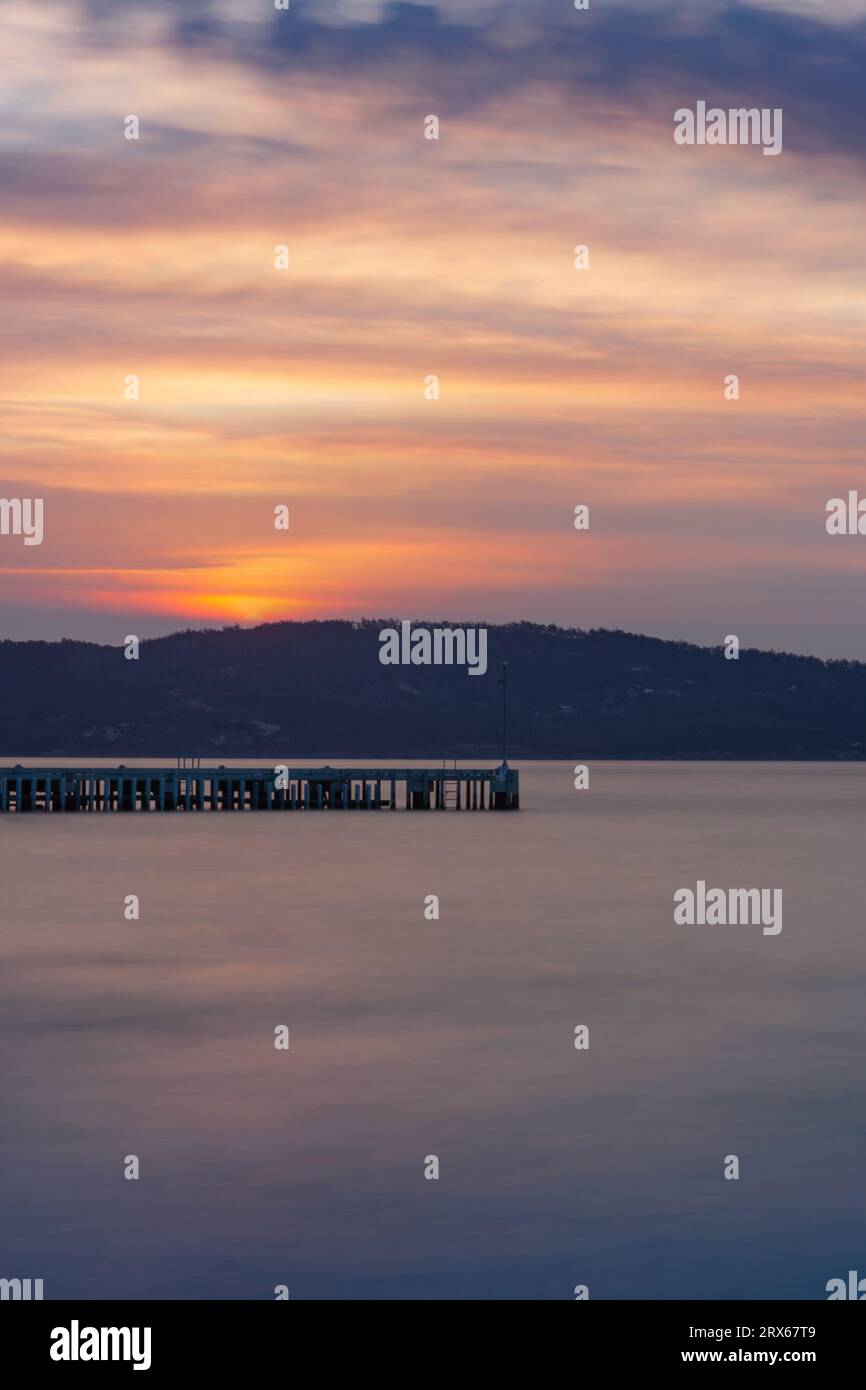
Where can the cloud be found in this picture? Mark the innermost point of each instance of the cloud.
(411, 257)
(461, 58)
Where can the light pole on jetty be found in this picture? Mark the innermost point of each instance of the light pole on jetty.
(503, 681)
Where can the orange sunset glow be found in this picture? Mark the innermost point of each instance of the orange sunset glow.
(409, 258)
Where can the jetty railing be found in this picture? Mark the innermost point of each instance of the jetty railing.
(144, 789)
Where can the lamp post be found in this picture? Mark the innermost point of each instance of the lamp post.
(503, 681)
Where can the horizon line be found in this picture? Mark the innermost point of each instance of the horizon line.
(382, 621)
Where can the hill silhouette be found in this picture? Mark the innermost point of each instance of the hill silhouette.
(318, 689)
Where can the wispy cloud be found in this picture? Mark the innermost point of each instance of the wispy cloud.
(411, 257)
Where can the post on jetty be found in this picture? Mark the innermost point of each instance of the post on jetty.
(190, 787)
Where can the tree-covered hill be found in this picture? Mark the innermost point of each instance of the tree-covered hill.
(318, 689)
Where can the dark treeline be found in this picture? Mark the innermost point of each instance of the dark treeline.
(318, 689)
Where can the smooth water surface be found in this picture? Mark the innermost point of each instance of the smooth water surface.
(453, 1037)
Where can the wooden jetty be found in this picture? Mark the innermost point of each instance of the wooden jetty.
(182, 788)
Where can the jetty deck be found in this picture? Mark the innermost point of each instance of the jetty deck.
(281, 788)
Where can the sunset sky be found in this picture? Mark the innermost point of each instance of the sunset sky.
(411, 257)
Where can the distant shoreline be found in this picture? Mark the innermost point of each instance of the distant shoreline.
(594, 694)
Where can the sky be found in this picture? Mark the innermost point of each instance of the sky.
(410, 258)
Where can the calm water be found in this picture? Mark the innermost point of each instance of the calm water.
(452, 1038)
